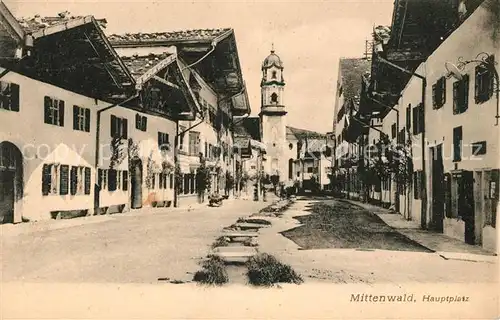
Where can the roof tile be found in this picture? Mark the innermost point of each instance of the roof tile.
(186, 35)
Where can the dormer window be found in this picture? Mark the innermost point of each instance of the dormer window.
(274, 75)
(274, 98)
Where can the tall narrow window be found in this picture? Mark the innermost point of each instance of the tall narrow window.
(87, 180)
(484, 86)
(119, 127)
(457, 144)
(461, 95)
(46, 179)
(274, 98)
(163, 141)
(439, 93)
(64, 180)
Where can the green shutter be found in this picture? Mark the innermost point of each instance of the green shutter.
(46, 179)
(47, 105)
(125, 181)
(75, 117)
(14, 97)
(73, 180)
(64, 179)
(87, 120)
(87, 180)
(112, 179)
(61, 113)
(124, 128)
(113, 126)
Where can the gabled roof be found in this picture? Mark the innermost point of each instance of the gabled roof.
(139, 65)
(351, 71)
(73, 53)
(211, 52)
(248, 128)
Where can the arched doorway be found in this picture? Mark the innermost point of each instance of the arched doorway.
(11, 180)
(136, 183)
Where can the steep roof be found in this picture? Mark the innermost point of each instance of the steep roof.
(37, 23)
(174, 36)
(351, 71)
(248, 128)
(303, 134)
(138, 65)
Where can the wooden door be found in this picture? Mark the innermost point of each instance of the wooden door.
(7, 196)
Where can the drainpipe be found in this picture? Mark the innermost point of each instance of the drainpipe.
(97, 142)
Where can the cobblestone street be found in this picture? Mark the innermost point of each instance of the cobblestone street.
(130, 248)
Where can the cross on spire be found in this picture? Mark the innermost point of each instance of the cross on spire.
(272, 47)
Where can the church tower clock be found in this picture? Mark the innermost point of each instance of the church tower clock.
(272, 115)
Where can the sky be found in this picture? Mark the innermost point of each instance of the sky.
(309, 36)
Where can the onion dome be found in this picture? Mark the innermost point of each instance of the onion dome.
(272, 60)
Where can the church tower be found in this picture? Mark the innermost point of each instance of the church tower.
(272, 115)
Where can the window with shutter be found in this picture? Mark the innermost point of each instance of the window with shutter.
(73, 180)
(461, 95)
(421, 118)
(138, 122)
(87, 180)
(408, 117)
(163, 141)
(114, 126)
(61, 113)
(124, 132)
(439, 93)
(9, 96)
(81, 119)
(393, 131)
(457, 144)
(112, 179)
(415, 120)
(125, 181)
(46, 179)
(64, 180)
(53, 111)
(484, 82)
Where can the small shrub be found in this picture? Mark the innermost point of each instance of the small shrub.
(265, 270)
(220, 242)
(213, 272)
